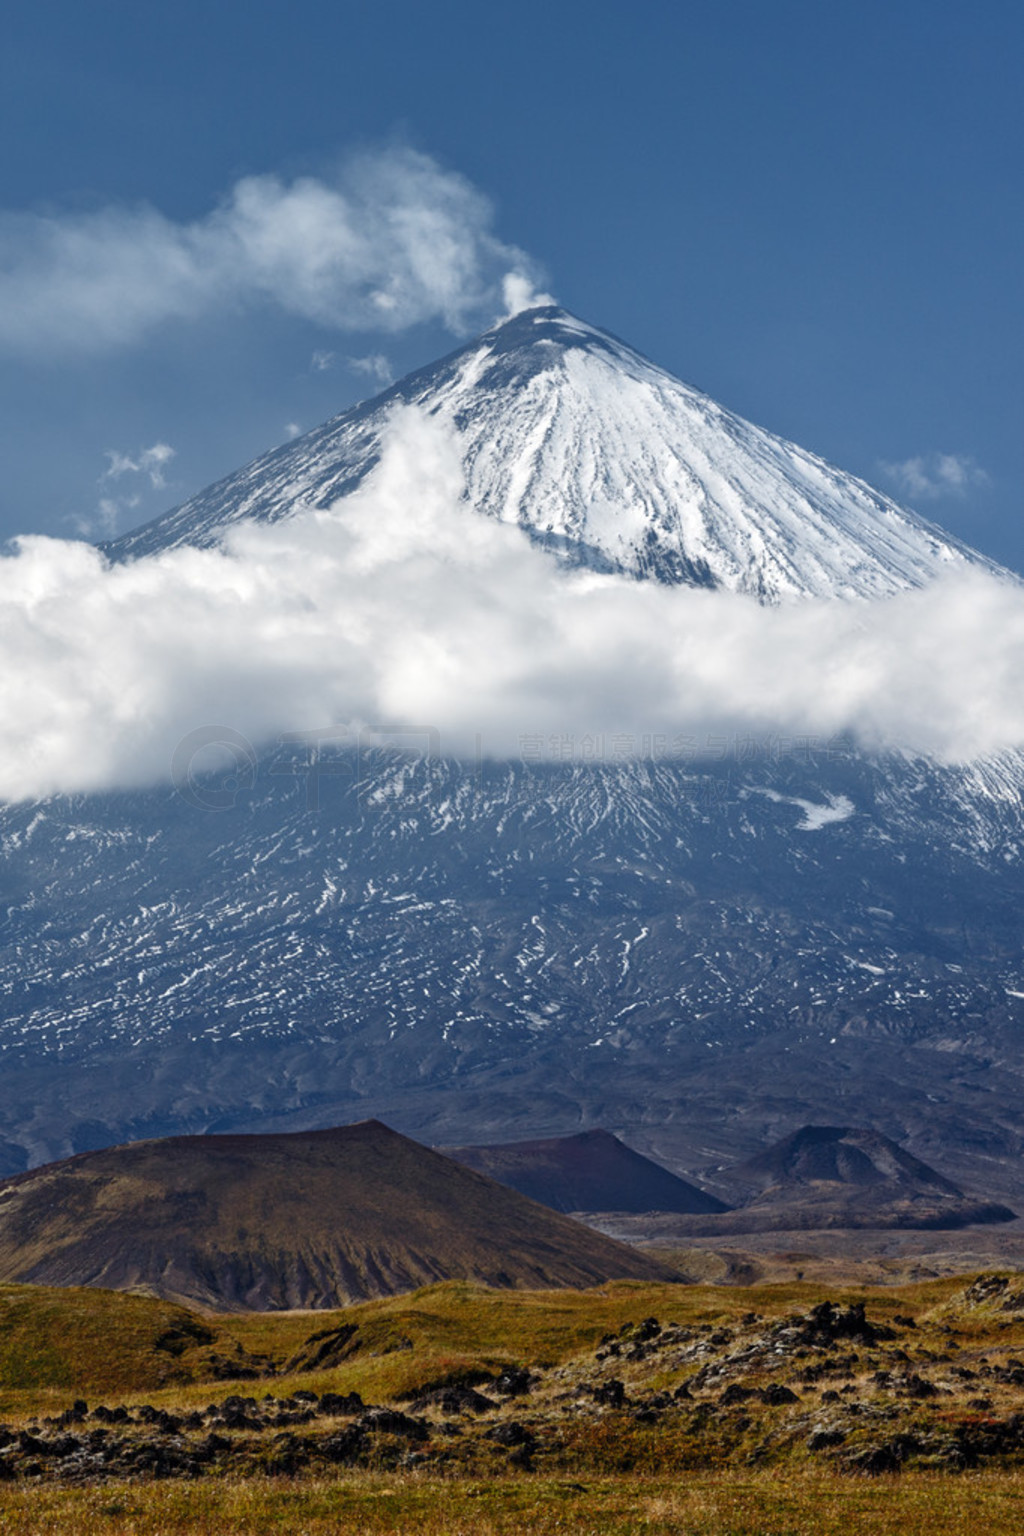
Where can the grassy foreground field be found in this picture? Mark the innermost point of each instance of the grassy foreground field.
(719, 1504)
(627, 1408)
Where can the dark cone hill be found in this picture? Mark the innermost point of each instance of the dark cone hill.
(592, 1171)
(837, 1176)
(311, 1219)
(822, 1178)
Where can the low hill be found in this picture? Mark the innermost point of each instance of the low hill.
(820, 1178)
(827, 1154)
(830, 1176)
(311, 1219)
(592, 1171)
(81, 1340)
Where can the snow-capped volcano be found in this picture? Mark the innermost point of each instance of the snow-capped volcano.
(612, 463)
(705, 953)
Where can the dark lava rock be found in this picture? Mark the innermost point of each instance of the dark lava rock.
(64, 1446)
(610, 1394)
(826, 1323)
(776, 1394)
(333, 1403)
(211, 1447)
(156, 1416)
(513, 1382)
(907, 1385)
(289, 1456)
(823, 1439)
(238, 1413)
(389, 1421)
(30, 1444)
(993, 1437)
(886, 1456)
(346, 1447)
(453, 1401)
(512, 1433)
(986, 1289)
(917, 1386)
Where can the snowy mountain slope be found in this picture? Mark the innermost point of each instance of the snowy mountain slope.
(524, 949)
(700, 955)
(609, 461)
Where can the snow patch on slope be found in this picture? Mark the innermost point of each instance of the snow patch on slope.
(815, 816)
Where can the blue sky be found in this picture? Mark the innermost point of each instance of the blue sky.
(810, 210)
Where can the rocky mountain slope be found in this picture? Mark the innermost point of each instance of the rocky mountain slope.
(662, 949)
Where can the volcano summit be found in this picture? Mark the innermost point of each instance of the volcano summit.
(610, 462)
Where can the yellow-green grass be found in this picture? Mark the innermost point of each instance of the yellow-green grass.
(56, 1345)
(697, 1504)
(456, 1325)
(545, 1327)
(595, 1473)
(68, 1343)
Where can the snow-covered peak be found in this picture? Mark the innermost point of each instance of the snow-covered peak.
(610, 462)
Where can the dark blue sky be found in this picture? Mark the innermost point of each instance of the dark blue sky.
(813, 211)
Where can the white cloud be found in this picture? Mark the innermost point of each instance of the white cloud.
(401, 608)
(118, 464)
(519, 293)
(104, 523)
(393, 240)
(375, 366)
(147, 461)
(928, 477)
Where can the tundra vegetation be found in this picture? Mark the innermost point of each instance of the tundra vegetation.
(457, 1408)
